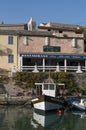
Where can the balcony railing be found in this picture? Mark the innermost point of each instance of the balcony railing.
(50, 68)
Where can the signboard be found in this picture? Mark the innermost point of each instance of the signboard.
(51, 49)
(53, 56)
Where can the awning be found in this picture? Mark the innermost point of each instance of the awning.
(54, 56)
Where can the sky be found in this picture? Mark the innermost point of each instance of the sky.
(43, 11)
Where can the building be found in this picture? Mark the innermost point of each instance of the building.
(48, 47)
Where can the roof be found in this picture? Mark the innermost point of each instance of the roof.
(21, 29)
(13, 26)
(48, 80)
(9, 25)
(51, 25)
(25, 33)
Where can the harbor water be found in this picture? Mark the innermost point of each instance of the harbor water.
(25, 118)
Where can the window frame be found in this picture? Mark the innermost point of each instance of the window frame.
(51, 87)
(84, 46)
(47, 41)
(45, 87)
(10, 58)
(10, 39)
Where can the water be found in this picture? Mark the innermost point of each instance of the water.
(20, 118)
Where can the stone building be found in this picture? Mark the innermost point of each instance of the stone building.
(48, 47)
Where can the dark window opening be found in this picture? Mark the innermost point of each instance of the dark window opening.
(31, 62)
(46, 87)
(10, 39)
(10, 58)
(84, 46)
(60, 31)
(49, 29)
(51, 87)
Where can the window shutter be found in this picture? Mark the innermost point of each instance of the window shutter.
(25, 40)
(47, 41)
(74, 42)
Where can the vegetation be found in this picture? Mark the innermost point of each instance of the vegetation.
(28, 80)
(3, 79)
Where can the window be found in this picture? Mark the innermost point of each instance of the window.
(84, 46)
(49, 29)
(25, 40)
(10, 58)
(74, 42)
(47, 40)
(51, 87)
(45, 87)
(60, 31)
(10, 39)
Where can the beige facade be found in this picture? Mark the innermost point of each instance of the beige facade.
(50, 40)
(7, 49)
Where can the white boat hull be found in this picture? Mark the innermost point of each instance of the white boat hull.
(80, 104)
(79, 107)
(45, 106)
(46, 103)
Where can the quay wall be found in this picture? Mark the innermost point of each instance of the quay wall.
(21, 100)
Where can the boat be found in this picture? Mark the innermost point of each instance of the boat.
(47, 103)
(79, 104)
(49, 99)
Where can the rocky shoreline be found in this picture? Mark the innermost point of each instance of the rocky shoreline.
(9, 94)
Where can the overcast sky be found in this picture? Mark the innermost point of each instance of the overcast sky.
(43, 11)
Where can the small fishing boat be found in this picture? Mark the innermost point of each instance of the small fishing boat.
(47, 103)
(48, 100)
(79, 104)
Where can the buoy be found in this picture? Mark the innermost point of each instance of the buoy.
(60, 112)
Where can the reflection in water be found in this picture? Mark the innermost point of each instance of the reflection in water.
(44, 119)
(15, 118)
(81, 114)
(20, 118)
(52, 121)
